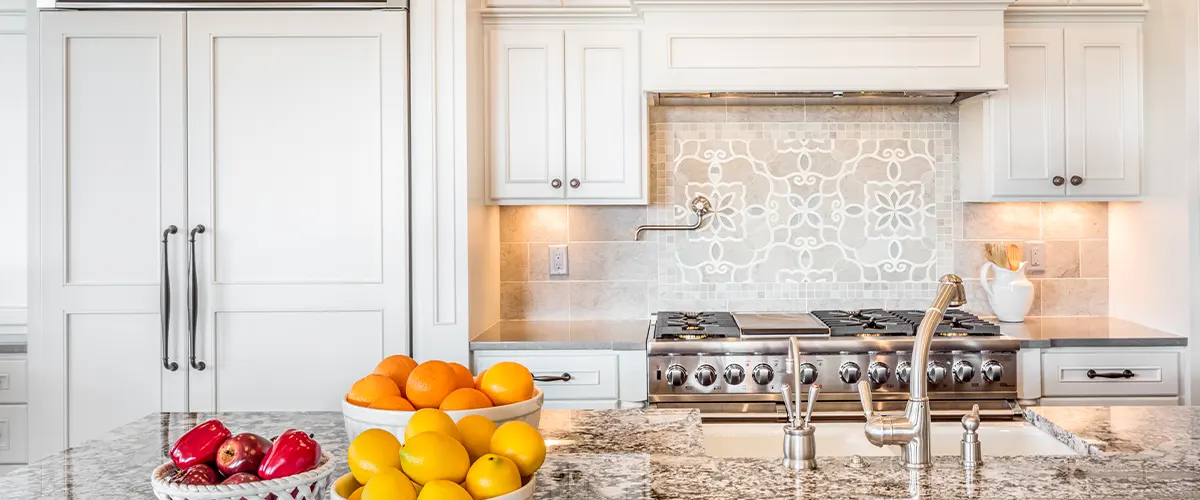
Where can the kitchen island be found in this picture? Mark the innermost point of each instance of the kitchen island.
(1143, 452)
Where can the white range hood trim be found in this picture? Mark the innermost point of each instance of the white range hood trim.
(763, 46)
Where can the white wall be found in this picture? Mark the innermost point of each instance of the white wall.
(1153, 244)
(13, 169)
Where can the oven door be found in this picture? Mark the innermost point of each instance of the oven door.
(219, 4)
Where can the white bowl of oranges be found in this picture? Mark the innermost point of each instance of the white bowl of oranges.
(389, 397)
(439, 459)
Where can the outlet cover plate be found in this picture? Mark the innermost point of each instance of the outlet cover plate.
(558, 260)
(1035, 255)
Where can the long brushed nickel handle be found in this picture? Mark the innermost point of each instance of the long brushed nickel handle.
(193, 299)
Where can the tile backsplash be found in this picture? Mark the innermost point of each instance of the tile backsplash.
(815, 207)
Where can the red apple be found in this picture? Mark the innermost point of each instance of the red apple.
(199, 445)
(241, 477)
(242, 453)
(197, 474)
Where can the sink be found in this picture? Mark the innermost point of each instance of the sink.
(842, 439)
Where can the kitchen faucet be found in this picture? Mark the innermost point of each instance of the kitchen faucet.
(911, 430)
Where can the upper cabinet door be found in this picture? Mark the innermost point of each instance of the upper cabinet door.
(604, 124)
(298, 172)
(1103, 110)
(525, 114)
(113, 180)
(1029, 151)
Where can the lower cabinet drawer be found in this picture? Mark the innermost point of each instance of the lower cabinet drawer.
(590, 375)
(1116, 372)
(14, 431)
(13, 385)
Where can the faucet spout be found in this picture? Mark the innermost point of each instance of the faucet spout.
(950, 293)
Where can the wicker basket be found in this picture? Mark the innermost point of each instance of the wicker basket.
(311, 485)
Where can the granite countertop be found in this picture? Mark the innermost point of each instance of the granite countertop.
(618, 335)
(1087, 331)
(1132, 452)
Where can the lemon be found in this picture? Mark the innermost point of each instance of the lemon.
(492, 476)
(443, 490)
(432, 455)
(357, 495)
(521, 443)
(476, 431)
(431, 419)
(389, 484)
(371, 451)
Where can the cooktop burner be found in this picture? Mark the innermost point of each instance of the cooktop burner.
(955, 323)
(695, 326)
(879, 323)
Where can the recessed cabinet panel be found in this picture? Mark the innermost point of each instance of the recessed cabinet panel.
(112, 159)
(1103, 110)
(526, 113)
(1030, 147)
(126, 384)
(603, 115)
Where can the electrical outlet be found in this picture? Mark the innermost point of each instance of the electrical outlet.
(1035, 255)
(558, 260)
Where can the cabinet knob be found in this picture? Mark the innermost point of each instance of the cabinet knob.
(574, 183)
(1076, 180)
(556, 183)
(1058, 180)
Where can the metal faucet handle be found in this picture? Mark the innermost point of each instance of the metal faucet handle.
(864, 397)
(792, 416)
(970, 421)
(970, 447)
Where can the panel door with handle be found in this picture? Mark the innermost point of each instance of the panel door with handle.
(112, 183)
(525, 113)
(297, 174)
(1029, 144)
(1103, 110)
(603, 112)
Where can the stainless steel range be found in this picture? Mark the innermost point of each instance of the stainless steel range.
(731, 365)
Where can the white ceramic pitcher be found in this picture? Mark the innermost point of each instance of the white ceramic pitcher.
(1010, 293)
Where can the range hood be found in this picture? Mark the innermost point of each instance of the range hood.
(809, 98)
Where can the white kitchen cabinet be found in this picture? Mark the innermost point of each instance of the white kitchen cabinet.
(598, 379)
(1069, 125)
(270, 130)
(1128, 376)
(565, 117)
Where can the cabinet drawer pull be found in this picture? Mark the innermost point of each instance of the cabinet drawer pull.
(556, 183)
(193, 301)
(1076, 180)
(1123, 374)
(164, 301)
(1058, 180)
(566, 377)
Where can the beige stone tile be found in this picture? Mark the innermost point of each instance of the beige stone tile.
(1075, 297)
(514, 262)
(921, 113)
(601, 300)
(603, 261)
(533, 223)
(1062, 259)
(690, 114)
(777, 114)
(1013, 221)
(1074, 220)
(843, 114)
(605, 223)
(768, 305)
(968, 255)
(690, 304)
(535, 300)
(1093, 258)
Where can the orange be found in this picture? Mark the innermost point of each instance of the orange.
(429, 383)
(465, 399)
(392, 403)
(479, 380)
(397, 367)
(463, 376)
(370, 388)
(506, 383)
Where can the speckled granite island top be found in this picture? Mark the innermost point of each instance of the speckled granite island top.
(617, 335)
(1087, 331)
(659, 454)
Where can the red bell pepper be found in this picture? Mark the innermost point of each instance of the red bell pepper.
(293, 452)
(199, 445)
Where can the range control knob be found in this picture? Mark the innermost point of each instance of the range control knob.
(963, 371)
(903, 371)
(706, 375)
(850, 372)
(676, 375)
(936, 372)
(762, 374)
(734, 374)
(808, 373)
(992, 371)
(878, 373)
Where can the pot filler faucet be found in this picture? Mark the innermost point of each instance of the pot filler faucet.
(911, 431)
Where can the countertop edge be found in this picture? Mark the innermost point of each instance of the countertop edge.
(552, 345)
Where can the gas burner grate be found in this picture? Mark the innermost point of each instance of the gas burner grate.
(955, 323)
(673, 325)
